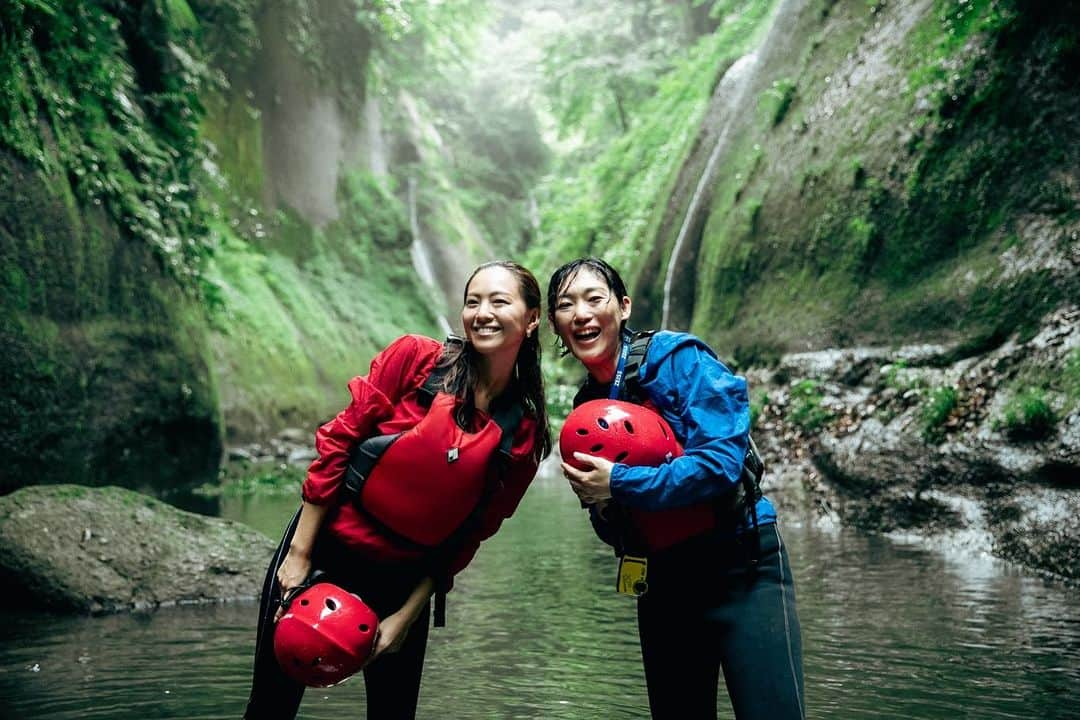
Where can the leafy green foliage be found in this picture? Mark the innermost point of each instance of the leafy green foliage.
(255, 479)
(105, 94)
(419, 44)
(594, 80)
(938, 407)
(778, 98)
(1028, 415)
(805, 409)
(953, 24)
(758, 401)
(1071, 377)
(604, 199)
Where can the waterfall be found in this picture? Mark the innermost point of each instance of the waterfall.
(421, 255)
(733, 87)
(534, 218)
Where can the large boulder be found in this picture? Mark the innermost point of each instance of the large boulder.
(70, 548)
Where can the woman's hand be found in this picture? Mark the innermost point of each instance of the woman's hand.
(393, 629)
(593, 485)
(293, 572)
(296, 567)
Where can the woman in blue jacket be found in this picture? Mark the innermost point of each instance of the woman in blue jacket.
(718, 590)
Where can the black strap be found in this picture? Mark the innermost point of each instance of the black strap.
(315, 576)
(639, 347)
(362, 461)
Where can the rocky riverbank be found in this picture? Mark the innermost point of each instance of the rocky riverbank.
(980, 453)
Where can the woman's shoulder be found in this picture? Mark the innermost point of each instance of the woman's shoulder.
(666, 342)
(677, 349)
(403, 361)
(414, 344)
(409, 349)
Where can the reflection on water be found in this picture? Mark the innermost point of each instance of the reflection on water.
(535, 632)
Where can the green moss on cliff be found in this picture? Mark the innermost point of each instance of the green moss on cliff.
(118, 344)
(610, 206)
(105, 375)
(291, 329)
(901, 239)
(107, 97)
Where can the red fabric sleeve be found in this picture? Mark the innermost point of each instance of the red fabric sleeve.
(514, 482)
(393, 372)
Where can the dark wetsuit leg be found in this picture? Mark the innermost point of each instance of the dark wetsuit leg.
(392, 682)
(762, 658)
(273, 693)
(707, 610)
(681, 658)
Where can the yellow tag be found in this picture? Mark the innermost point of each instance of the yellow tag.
(632, 574)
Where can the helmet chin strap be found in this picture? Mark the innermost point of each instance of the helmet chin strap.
(290, 595)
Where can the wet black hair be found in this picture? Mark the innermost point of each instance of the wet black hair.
(566, 274)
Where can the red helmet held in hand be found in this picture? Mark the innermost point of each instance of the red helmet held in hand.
(326, 635)
(618, 431)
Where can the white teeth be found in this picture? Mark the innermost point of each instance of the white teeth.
(486, 330)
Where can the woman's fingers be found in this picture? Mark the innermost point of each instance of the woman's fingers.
(376, 648)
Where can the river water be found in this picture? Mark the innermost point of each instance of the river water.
(890, 631)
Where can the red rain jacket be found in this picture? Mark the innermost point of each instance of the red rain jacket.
(383, 402)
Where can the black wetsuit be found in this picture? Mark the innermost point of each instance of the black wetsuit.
(392, 682)
(708, 607)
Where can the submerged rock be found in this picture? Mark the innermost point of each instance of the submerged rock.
(70, 548)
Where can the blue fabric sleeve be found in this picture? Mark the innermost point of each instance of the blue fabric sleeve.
(708, 407)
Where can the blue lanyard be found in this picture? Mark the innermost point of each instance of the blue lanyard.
(616, 384)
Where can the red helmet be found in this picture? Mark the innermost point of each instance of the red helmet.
(325, 636)
(618, 431)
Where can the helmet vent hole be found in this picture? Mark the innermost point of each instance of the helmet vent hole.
(317, 661)
(331, 604)
(629, 427)
(621, 456)
(305, 602)
(363, 627)
(582, 431)
(596, 448)
(602, 423)
(664, 430)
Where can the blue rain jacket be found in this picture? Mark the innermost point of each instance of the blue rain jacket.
(709, 409)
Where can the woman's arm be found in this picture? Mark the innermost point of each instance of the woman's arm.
(395, 627)
(709, 407)
(395, 371)
(296, 567)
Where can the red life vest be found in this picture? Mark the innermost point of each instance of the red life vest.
(661, 529)
(428, 481)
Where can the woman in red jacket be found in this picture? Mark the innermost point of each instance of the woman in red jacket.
(393, 561)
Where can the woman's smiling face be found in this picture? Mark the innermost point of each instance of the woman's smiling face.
(494, 315)
(589, 319)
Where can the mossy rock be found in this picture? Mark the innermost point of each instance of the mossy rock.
(68, 548)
